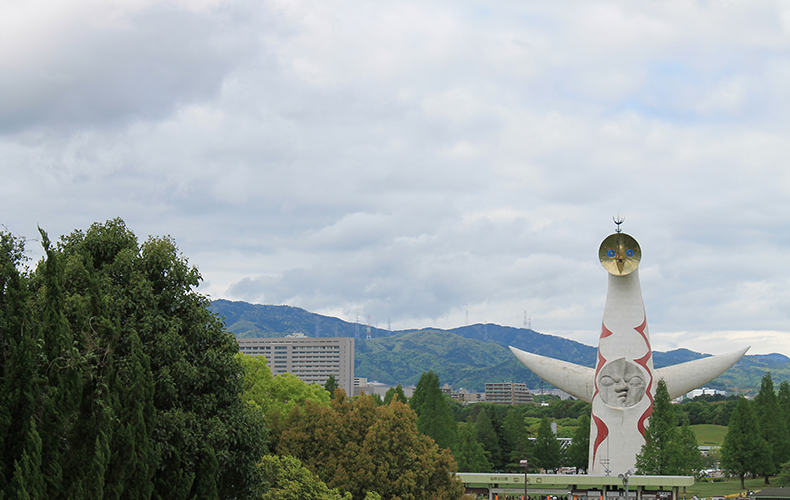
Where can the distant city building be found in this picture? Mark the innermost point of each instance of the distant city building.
(507, 393)
(704, 391)
(552, 392)
(465, 397)
(310, 359)
(363, 385)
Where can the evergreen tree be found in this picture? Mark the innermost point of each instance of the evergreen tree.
(784, 400)
(27, 481)
(470, 454)
(773, 427)
(206, 476)
(331, 385)
(484, 430)
(434, 418)
(783, 478)
(548, 452)
(744, 450)
(514, 432)
(690, 458)
(579, 451)
(395, 394)
(660, 455)
(128, 374)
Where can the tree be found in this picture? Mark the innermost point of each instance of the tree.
(744, 450)
(470, 454)
(287, 479)
(783, 478)
(433, 414)
(660, 455)
(773, 427)
(579, 451)
(395, 394)
(358, 447)
(132, 379)
(148, 288)
(689, 456)
(548, 452)
(331, 385)
(276, 397)
(484, 430)
(784, 399)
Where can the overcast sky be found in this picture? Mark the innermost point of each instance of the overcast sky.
(421, 162)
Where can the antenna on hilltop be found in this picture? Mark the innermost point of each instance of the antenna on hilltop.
(467, 314)
(527, 321)
(367, 337)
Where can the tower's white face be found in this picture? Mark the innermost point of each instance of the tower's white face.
(619, 254)
(622, 383)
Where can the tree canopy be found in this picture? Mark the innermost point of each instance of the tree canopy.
(773, 427)
(660, 455)
(744, 450)
(358, 447)
(117, 382)
(434, 417)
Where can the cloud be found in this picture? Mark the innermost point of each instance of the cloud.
(416, 161)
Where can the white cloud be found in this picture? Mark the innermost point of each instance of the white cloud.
(411, 160)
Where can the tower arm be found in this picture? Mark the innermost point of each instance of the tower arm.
(574, 379)
(685, 377)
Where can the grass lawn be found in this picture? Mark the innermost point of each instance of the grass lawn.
(724, 488)
(709, 435)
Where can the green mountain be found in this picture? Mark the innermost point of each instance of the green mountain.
(468, 356)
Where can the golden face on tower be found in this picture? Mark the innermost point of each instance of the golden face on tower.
(619, 254)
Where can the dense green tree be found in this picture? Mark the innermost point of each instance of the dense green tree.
(783, 478)
(131, 376)
(689, 456)
(515, 433)
(330, 385)
(660, 455)
(285, 478)
(784, 399)
(773, 427)
(395, 394)
(744, 450)
(579, 450)
(548, 451)
(434, 418)
(484, 430)
(358, 447)
(470, 454)
(276, 396)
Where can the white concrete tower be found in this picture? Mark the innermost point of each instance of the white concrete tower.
(623, 383)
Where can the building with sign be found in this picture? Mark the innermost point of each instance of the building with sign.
(574, 487)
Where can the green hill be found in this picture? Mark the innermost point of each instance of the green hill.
(467, 356)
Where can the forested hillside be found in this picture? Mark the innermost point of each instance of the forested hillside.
(467, 356)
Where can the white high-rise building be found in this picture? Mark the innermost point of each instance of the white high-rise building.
(311, 359)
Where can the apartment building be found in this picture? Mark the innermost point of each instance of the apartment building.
(311, 359)
(507, 393)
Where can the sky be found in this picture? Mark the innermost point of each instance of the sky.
(423, 163)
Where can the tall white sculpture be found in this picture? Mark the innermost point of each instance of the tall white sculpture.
(623, 383)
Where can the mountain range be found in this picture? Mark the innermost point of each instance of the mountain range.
(465, 357)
